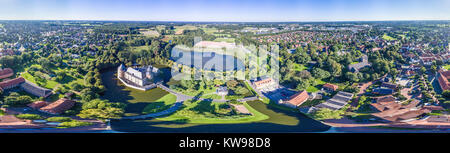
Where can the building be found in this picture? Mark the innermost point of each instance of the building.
(296, 100)
(443, 80)
(389, 85)
(266, 85)
(330, 87)
(364, 62)
(383, 91)
(138, 76)
(338, 101)
(439, 118)
(59, 106)
(26, 86)
(385, 103)
(38, 104)
(35, 89)
(386, 99)
(13, 83)
(397, 113)
(6, 72)
(222, 91)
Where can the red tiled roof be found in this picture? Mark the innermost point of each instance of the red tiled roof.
(37, 104)
(11, 82)
(298, 98)
(432, 108)
(59, 106)
(331, 86)
(386, 99)
(262, 82)
(7, 72)
(443, 80)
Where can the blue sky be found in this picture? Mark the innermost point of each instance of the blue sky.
(225, 10)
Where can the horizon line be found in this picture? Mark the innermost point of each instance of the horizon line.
(193, 21)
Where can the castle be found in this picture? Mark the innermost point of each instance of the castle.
(138, 76)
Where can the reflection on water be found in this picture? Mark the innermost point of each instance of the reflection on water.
(207, 60)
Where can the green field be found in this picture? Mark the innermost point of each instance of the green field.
(160, 105)
(388, 38)
(228, 40)
(204, 112)
(447, 67)
(51, 84)
(210, 30)
(180, 29)
(299, 67)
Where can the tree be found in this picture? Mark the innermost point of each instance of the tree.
(446, 93)
(320, 73)
(325, 113)
(351, 76)
(101, 109)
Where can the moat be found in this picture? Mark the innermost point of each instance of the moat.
(279, 121)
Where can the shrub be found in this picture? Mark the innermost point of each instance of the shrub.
(59, 119)
(74, 123)
(29, 116)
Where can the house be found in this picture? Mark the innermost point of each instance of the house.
(395, 113)
(433, 108)
(439, 118)
(386, 99)
(356, 67)
(409, 73)
(383, 91)
(267, 84)
(59, 106)
(6, 72)
(389, 85)
(330, 87)
(337, 102)
(38, 104)
(296, 100)
(385, 103)
(443, 80)
(9, 84)
(222, 91)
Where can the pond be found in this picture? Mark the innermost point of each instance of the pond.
(207, 60)
(279, 121)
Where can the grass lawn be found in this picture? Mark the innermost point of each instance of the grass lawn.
(138, 49)
(447, 67)
(312, 89)
(49, 85)
(310, 103)
(299, 67)
(210, 30)
(319, 83)
(203, 112)
(161, 104)
(180, 29)
(228, 40)
(149, 33)
(388, 38)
